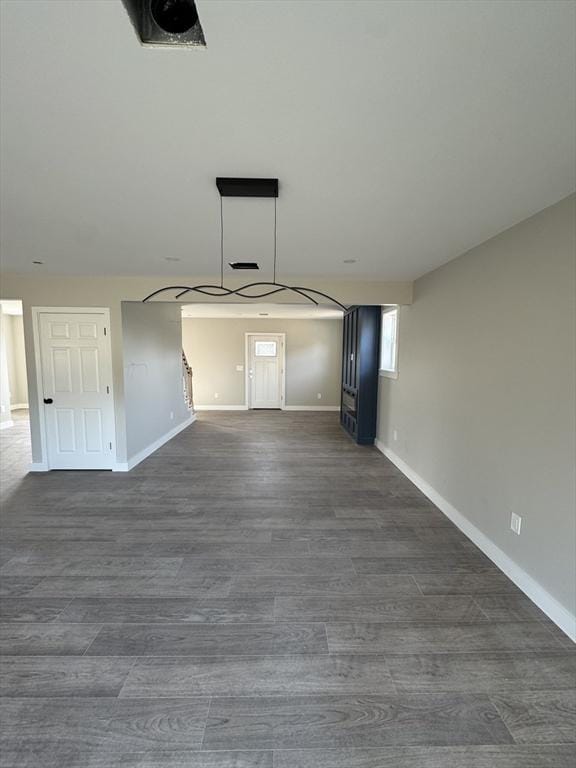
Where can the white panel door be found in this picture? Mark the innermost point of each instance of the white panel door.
(77, 390)
(265, 371)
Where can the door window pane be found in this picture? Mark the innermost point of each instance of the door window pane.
(265, 348)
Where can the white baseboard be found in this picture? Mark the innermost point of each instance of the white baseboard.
(6, 424)
(126, 466)
(18, 406)
(221, 407)
(560, 615)
(38, 466)
(311, 407)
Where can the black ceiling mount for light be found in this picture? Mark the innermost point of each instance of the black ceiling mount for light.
(247, 187)
(243, 265)
(173, 23)
(235, 187)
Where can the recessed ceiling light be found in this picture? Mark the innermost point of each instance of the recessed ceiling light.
(349, 261)
(37, 262)
(171, 258)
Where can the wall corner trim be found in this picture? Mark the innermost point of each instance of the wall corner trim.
(38, 466)
(126, 466)
(555, 611)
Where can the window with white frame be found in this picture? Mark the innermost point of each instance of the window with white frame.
(389, 342)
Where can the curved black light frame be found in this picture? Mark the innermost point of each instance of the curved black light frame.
(219, 290)
(250, 188)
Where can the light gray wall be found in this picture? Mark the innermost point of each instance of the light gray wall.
(214, 347)
(152, 351)
(484, 403)
(16, 359)
(4, 383)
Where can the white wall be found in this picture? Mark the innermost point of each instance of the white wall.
(152, 353)
(484, 403)
(214, 347)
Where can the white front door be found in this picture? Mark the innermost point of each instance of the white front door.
(77, 390)
(266, 354)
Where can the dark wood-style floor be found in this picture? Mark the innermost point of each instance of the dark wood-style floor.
(262, 592)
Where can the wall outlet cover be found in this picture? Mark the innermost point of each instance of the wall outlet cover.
(515, 523)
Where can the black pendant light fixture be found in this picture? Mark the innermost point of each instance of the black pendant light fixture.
(238, 187)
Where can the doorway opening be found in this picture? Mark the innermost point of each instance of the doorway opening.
(263, 356)
(13, 374)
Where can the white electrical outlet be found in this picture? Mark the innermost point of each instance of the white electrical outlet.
(239, 368)
(319, 395)
(216, 395)
(395, 434)
(515, 523)
(171, 415)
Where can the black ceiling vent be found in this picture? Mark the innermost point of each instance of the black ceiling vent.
(243, 265)
(173, 23)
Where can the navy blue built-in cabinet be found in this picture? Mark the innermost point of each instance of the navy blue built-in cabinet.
(360, 363)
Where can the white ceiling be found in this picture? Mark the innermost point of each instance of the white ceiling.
(261, 311)
(403, 133)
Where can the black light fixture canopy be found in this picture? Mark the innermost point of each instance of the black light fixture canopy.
(235, 187)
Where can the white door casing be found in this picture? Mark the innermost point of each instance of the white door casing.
(265, 364)
(76, 375)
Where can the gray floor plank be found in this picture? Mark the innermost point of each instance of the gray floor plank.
(295, 584)
(83, 726)
(165, 610)
(19, 639)
(56, 676)
(267, 565)
(258, 675)
(441, 562)
(18, 586)
(29, 609)
(38, 754)
(502, 756)
(94, 566)
(483, 672)
(509, 608)
(133, 586)
(363, 637)
(465, 584)
(209, 639)
(296, 722)
(543, 717)
(454, 608)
